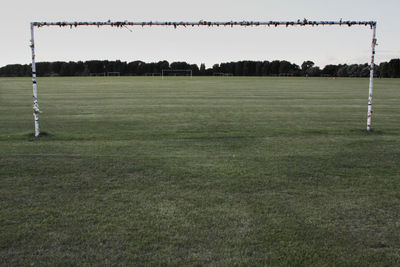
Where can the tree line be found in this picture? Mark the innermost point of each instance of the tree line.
(389, 69)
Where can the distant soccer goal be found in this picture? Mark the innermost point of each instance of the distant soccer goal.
(202, 23)
(113, 73)
(97, 74)
(172, 72)
(222, 74)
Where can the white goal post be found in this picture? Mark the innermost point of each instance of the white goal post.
(120, 24)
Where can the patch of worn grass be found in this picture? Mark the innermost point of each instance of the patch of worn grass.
(219, 171)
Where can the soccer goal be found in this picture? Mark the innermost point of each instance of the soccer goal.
(113, 73)
(222, 74)
(173, 72)
(97, 74)
(121, 24)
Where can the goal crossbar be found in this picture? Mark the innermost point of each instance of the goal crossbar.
(120, 24)
(207, 23)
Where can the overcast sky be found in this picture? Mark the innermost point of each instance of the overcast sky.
(323, 45)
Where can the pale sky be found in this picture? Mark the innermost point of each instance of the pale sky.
(323, 45)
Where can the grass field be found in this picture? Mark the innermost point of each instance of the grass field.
(202, 171)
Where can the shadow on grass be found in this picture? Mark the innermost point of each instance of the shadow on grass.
(197, 135)
(371, 132)
(42, 136)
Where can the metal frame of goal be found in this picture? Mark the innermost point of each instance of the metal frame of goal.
(176, 72)
(121, 24)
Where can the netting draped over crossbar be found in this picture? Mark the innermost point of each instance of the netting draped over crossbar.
(303, 22)
(270, 23)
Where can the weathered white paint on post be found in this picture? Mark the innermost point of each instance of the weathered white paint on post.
(371, 79)
(34, 84)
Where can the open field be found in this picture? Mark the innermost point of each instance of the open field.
(220, 171)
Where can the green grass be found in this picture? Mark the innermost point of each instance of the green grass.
(202, 171)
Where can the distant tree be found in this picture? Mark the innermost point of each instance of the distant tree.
(274, 68)
(330, 70)
(162, 65)
(249, 68)
(65, 69)
(238, 69)
(94, 66)
(342, 71)
(353, 70)
(179, 65)
(258, 71)
(202, 69)
(149, 68)
(265, 69)
(43, 68)
(365, 70)
(56, 67)
(115, 66)
(295, 70)
(15, 70)
(284, 67)
(306, 66)
(384, 70)
(245, 68)
(209, 72)
(216, 68)
(80, 69)
(394, 68)
(313, 72)
(141, 68)
(227, 67)
(132, 67)
(195, 69)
